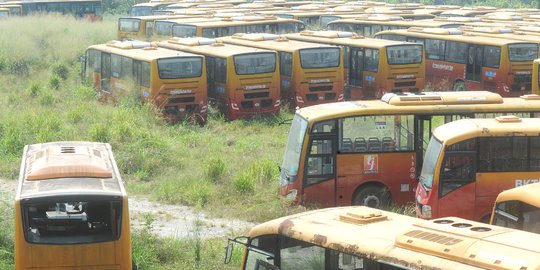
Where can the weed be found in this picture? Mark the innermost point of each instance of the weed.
(244, 183)
(60, 70)
(54, 82)
(34, 89)
(215, 167)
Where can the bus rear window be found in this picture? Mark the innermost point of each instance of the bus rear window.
(140, 11)
(184, 31)
(180, 67)
(404, 54)
(523, 52)
(254, 63)
(319, 57)
(129, 25)
(72, 222)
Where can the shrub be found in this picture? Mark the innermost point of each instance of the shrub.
(244, 183)
(215, 167)
(34, 89)
(54, 82)
(60, 70)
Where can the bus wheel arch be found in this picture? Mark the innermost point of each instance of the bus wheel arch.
(459, 86)
(372, 194)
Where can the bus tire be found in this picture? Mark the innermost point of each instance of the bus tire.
(459, 86)
(372, 196)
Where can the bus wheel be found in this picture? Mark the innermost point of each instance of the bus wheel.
(460, 86)
(372, 196)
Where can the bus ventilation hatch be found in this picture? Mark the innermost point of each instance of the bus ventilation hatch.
(361, 218)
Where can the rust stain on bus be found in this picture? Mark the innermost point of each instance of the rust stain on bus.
(319, 239)
(286, 227)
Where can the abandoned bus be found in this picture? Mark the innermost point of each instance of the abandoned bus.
(371, 152)
(359, 237)
(373, 67)
(519, 207)
(310, 73)
(171, 80)
(71, 209)
(465, 61)
(87, 9)
(243, 81)
(470, 161)
(142, 27)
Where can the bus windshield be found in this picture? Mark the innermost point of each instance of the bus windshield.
(254, 63)
(430, 163)
(404, 54)
(141, 11)
(523, 52)
(293, 149)
(163, 28)
(184, 31)
(319, 57)
(180, 67)
(129, 25)
(58, 221)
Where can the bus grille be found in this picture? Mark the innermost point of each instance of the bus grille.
(320, 88)
(249, 104)
(257, 95)
(405, 84)
(182, 100)
(523, 78)
(330, 96)
(517, 87)
(312, 97)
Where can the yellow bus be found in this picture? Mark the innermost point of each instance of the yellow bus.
(71, 209)
(371, 152)
(373, 67)
(243, 24)
(369, 26)
(519, 207)
(468, 11)
(142, 27)
(536, 77)
(461, 61)
(14, 9)
(310, 73)
(163, 28)
(370, 239)
(470, 161)
(4, 13)
(242, 81)
(173, 81)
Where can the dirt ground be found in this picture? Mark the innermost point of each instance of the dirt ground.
(164, 220)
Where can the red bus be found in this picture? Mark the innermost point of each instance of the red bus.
(459, 62)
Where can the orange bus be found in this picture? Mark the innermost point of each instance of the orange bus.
(173, 81)
(310, 73)
(71, 209)
(470, 161)
(370, 152)
(142, 27)
(461, 62)
(242, 81)
(346, 238)
(519, 207)
(373, 66)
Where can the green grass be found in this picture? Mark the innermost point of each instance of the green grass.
(225, 169)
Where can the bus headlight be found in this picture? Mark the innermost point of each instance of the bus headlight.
(426, 211)
(292, 195)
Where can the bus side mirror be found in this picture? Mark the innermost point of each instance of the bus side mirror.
(229, 249)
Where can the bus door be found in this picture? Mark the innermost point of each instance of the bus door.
(423, 128)
(138, 79)
(106, 72)
(319, 185)
(356, 70)
(473, 71)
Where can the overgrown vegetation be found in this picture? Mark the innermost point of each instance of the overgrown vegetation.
(225, 169)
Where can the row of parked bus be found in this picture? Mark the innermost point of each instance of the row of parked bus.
(86, 9)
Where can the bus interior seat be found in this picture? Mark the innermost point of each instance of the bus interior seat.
(374, 144)
(346, 145)
(360, 145)
(388, 144)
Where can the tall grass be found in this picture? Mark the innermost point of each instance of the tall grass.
(44, 100)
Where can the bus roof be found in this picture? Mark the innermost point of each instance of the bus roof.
(208, 46)
(423, 103)
(447, 243)
(240, 20)
(343, 38)
(139, 50)
(68, 168)
(526, 193)
(465, 129)
(398, 21)
(452, 34)
(152, 17)
(271, 42)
